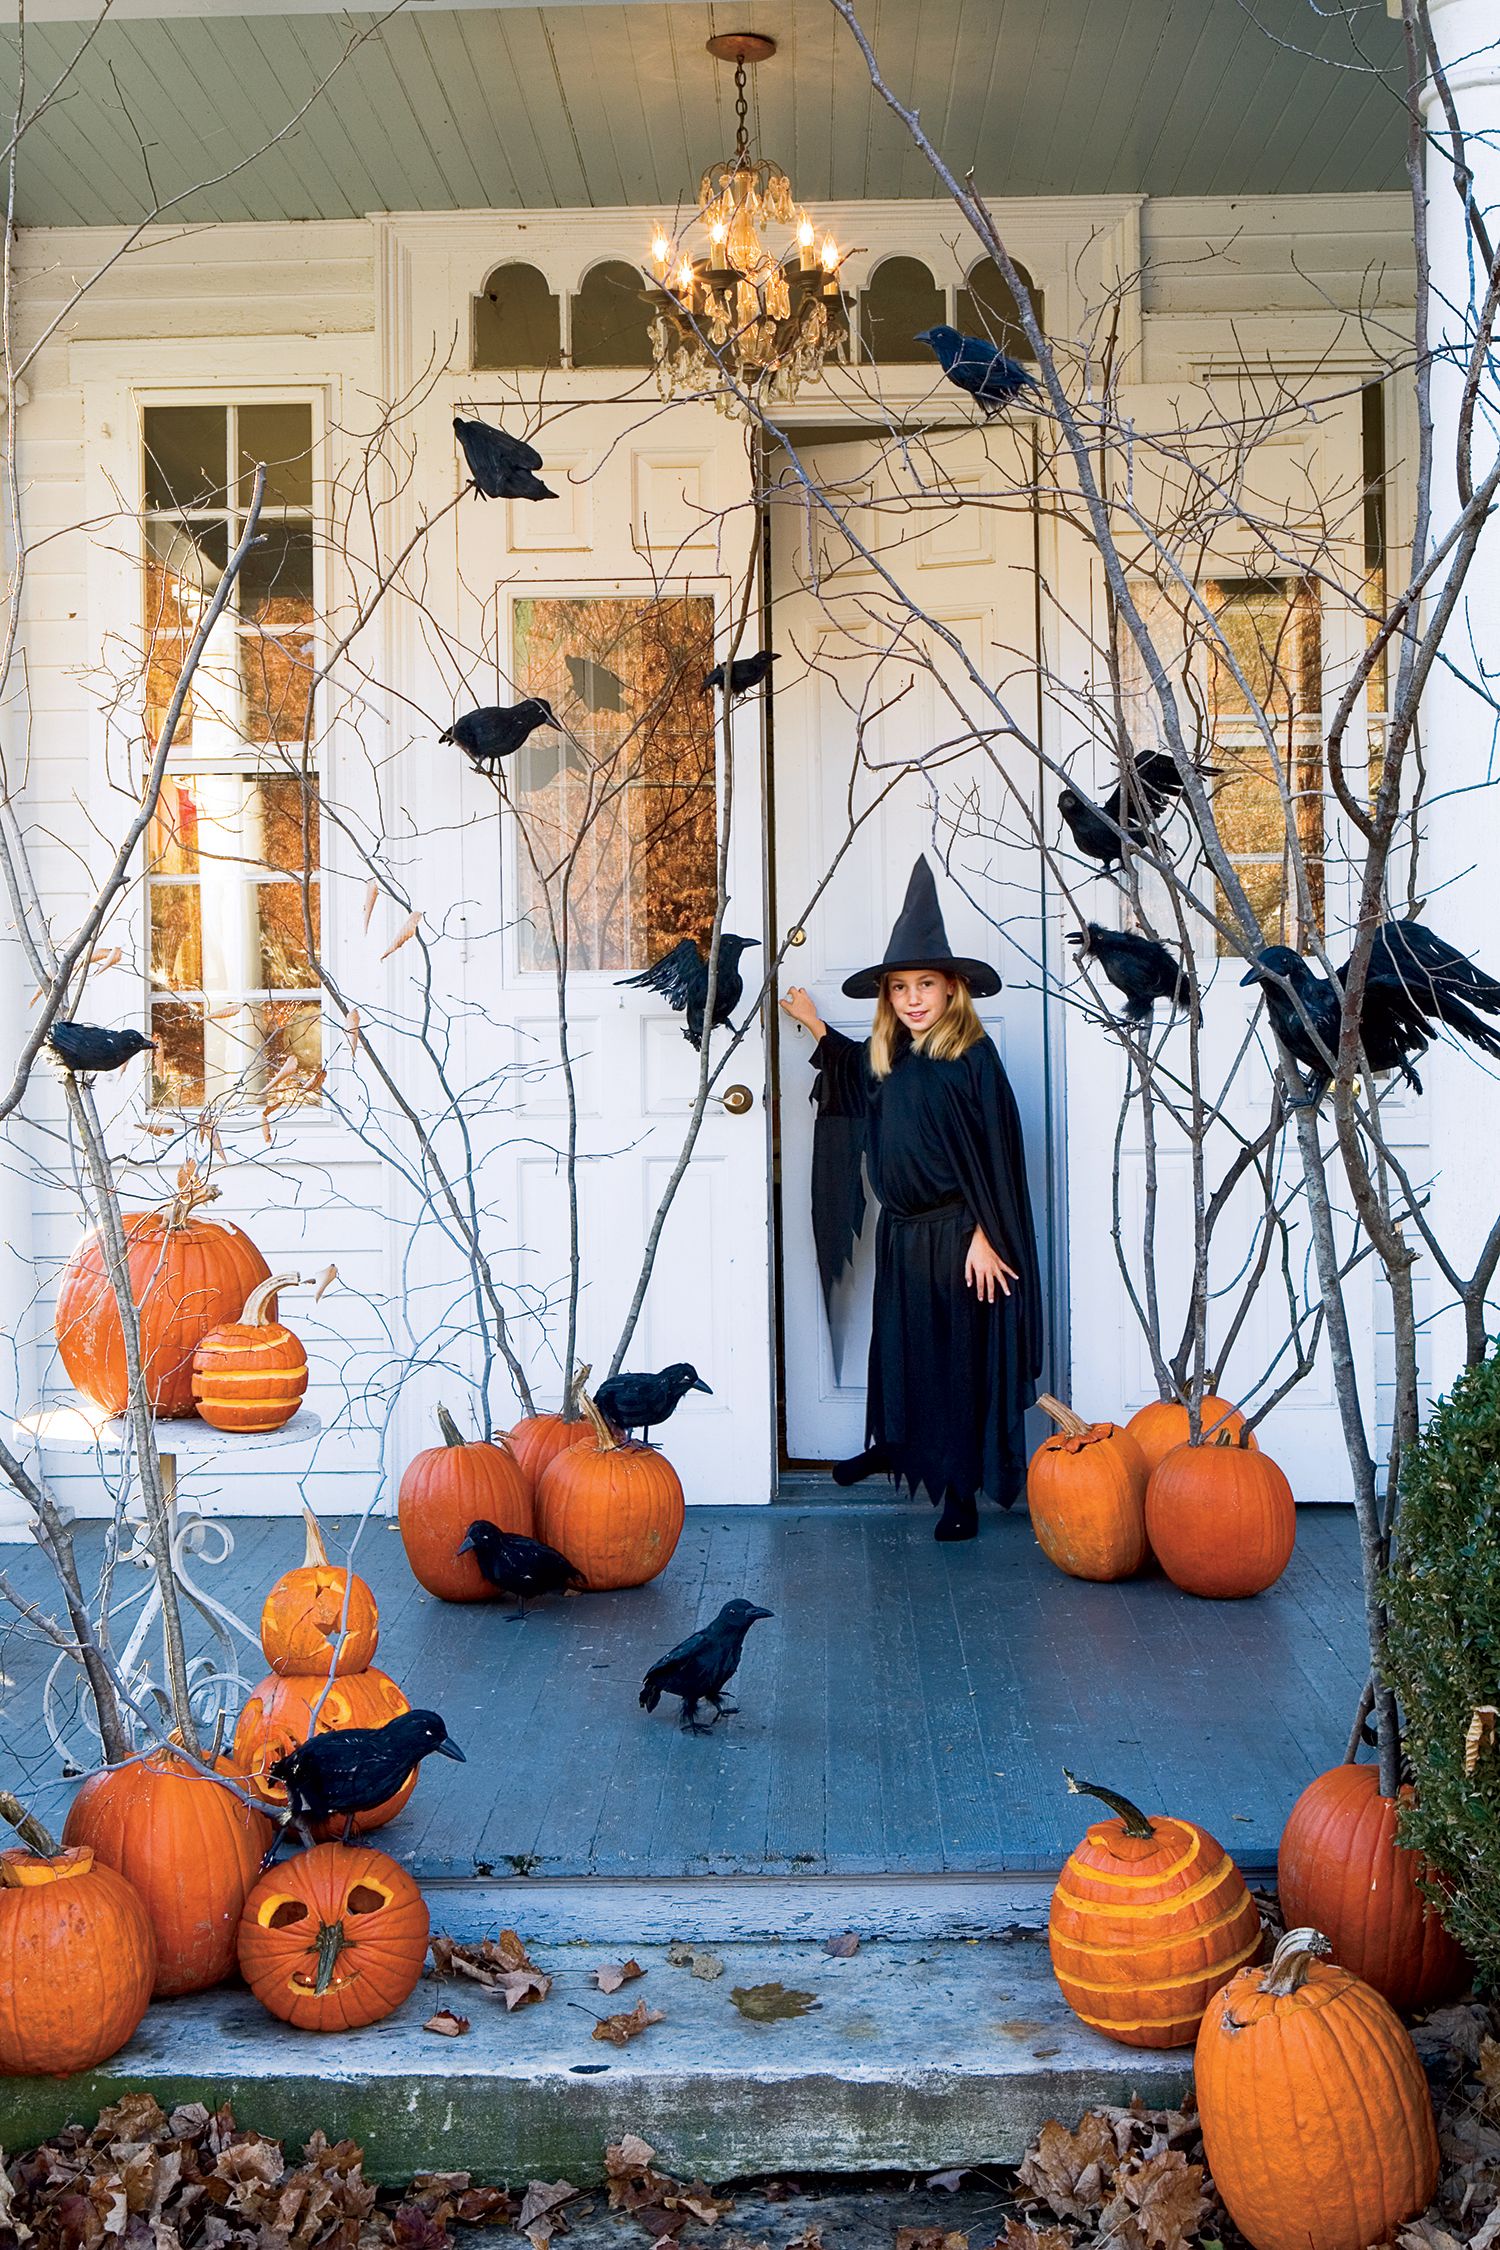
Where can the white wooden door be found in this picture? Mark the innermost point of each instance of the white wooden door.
(884, 752)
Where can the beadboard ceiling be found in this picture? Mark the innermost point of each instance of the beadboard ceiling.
(615, 101)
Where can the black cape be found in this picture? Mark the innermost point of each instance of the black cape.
(950, 1377)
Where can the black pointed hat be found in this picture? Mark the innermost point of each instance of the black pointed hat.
(919, 941)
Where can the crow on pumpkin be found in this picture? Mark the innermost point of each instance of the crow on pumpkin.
(354, 1769)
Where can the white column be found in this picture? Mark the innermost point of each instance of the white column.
(18, 1355)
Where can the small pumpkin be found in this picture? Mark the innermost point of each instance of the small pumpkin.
(1163, 1425)
(1086, 1494)
(333, 1938)
(536, 1442)
(613, 1507)
(77, 1961)
(319, 1618)
(1148, 1919)
(252, 1373)
(189, 1848)
(444, 1490)
(1317, 2123)
(1341, 1869)
(278, 1717)
(1221, 1519)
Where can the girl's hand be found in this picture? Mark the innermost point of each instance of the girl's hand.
(798, 1005)
(985, 1269)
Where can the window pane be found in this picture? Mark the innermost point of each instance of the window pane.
(186, 452)
(184, 565)
(289, 1030)
(900, 300)
(611, 319)
(987, 307)
(281, 436)
(516, 320)
(284, 964)
(276, 657)
(176, 938)
(1272, 632)
(177, 1075)
(284, 845)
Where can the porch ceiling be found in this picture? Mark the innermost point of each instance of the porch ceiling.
(444, 107)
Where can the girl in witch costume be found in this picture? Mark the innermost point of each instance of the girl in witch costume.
(955, 1349)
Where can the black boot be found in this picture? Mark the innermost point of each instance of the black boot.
(870, 1463)
(960, 1516)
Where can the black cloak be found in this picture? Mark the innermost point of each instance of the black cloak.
(950, 1376)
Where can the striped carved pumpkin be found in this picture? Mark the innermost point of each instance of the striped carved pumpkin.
(252, 1373)
(1149, 1918)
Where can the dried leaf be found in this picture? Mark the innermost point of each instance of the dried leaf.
(446, 2024)
(610, 1975)
(1071, 2172)
(699, 2199)
(109, 957)
(773, 2003)
(703, 1965)
(160, 1132)
(841, 1947)
(372, 895)
(352, 1023)
(620, 2030)
(404, 935)
(326, 1280)
(1164, 2196)
(541, 2197)
(624, 2158)
(1019, 2237)
(811, 2238)
(501, 1966)
(929, 2238)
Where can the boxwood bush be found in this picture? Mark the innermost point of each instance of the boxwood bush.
(1444, 1592)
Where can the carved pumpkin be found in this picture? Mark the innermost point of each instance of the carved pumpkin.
(614, 1508)
(77, 1959)
(537, 1441)
(1086, 1493)
(1148, 1919)
(1341, 1869)
(444, 1490)
(252, 1373)
(187, 1276)
(278, 1717)
(189, 1848)
(1158, 1429)
(1317, 2122)
(1221, 1520)
(333, 1938)
(319, 1618)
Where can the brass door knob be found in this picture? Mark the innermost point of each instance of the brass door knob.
(737, 1099)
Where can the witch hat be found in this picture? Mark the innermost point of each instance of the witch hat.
(919, 941)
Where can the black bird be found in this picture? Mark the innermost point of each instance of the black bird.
(1414, 979)
(640, 1402)
(1134, 805)
(595, 685)
(1442, 983)
(681, 977)
(500, 465)
(1137, 966)
(699, 1668)
(978, 367)
(1095, 837)
(513, 1565)
(497, 730)
(89, 1048)
(745, 673)
(355, 1768)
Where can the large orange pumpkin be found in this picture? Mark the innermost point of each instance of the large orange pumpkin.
(1221, 1520)
(77, 1959)
(252, 1373)
(333, 1938)
(1086, 1494)
(187, 1276)
(319, 1618)
(1148, 1919)
(191, 1850)
(1341, 1869)
(444, 1490)
(1158, 1429)
(537, 1441)
(1317, 2122)
(278, 1717)
(614, 1508)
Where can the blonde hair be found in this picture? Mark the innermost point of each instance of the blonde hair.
(957, 1029)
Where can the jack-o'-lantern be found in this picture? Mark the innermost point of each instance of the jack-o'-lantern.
(333, 1938)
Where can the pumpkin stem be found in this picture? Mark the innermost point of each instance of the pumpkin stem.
(331, 1943)
(1294, 1956)
(192, 1190)
(316, 1551)
(1136, 1823)
(255, 1314)
(581, 1373)
(604, 1437)
(1070, 1424)
(26, 1826)
(452, 1435)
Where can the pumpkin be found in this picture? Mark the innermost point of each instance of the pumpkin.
(333, 1938)
(613, 1507)
(77, 1959)
(1158, 1429)
(446, 1489)
(1086, 1493)
(1317, 2122)
(537, 1441)
(189, 1848)
(1221, 1520)
(187, 1276)
(252, 1373)
(278, 1717)
(319, 1618)
(1148, 1919)
(1341, 1869)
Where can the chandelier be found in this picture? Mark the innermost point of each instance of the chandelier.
(740, 318)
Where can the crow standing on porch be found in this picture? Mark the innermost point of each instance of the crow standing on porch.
(89, 1048)
(745, 673)
(498, 730)
(640, 1402)
(700, 1667)
(500, 465)
(513, 1565)
(357, 1768)
(681, 977)
(978, 367)
(1137, 966)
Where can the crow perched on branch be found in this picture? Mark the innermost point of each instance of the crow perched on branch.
(513, 1565)
(681, 977)
(89, 1048)
(355, 1768)
(498, 730)
(640, 1402)
(978, 367)
(500, 465)
(700, 1667)
(1134, 805)
(1415, 979)
(1137, 966)
(745, 673)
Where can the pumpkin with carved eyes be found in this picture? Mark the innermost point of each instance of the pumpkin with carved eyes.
(333, 1938)
(284, 1712)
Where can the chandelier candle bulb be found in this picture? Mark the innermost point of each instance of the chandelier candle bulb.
(661, 254)
(807, 243)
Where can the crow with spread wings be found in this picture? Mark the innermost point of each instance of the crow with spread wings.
(681, 977)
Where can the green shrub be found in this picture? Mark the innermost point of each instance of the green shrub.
(1444, 1595)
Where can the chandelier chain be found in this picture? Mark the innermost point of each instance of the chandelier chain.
(741, 114)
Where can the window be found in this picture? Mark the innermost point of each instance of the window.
(236, 827)
(611, 318)
(1271, 627)
(900, 300)
(987, 307)
(516, 320)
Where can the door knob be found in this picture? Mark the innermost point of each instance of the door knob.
(737, 1099)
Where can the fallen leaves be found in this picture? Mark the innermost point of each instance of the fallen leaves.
(681, 1955)
(610, 1975)
(500, 1966)
(930, 2238)
(662, 2206)
(446, 2024)
(841, 1948)
(773, 2003)
(620, 2030)
(540, 2216)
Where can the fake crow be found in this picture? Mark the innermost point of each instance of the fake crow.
(699, 1668)
(595, 685)
(978, 367)
(513, 1565)
(1137, 966)
(640, 1402)
(1135, 808)
(681, 977)
(357, 1767)
(1415, 979)
(497, 730)
(89, 1048)
(745, 673)
(500, 465)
